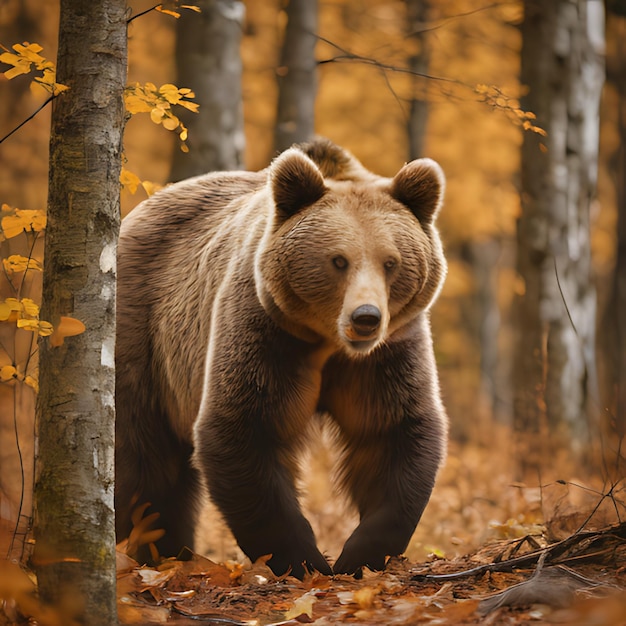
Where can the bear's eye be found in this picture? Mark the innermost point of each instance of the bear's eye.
(340, 262)
(390, 264)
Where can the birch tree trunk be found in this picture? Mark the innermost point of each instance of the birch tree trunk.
(74, 518)
(208, 61)
(554, 365)
(297, 76)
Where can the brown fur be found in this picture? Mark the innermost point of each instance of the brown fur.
(248, 303)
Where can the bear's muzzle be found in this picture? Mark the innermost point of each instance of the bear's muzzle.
(365, 320)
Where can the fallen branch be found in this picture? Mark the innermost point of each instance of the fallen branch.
(552, 554)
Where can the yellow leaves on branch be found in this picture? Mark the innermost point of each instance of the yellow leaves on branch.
(9, 373)
(18, 263)
(25, 313)
(173, 11)
(26, 59)
(493, 96)
(20, 220)
(131, 182)
(159, 102)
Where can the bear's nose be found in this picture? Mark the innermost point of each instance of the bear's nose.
(365, 319)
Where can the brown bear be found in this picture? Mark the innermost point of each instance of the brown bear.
(250, 303)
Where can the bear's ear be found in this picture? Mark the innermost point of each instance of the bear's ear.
(296, 182)
(419, 185)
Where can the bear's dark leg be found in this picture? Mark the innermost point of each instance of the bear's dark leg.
(252, 422)
(158, 471)
(250, 481)
(393, 429)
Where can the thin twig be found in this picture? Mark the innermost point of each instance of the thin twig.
(30, 117)
(134, 17)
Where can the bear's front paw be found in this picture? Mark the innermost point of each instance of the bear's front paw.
(377, 537)
(298, 562)
(358, 554)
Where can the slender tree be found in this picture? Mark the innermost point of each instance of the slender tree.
(208, 61)
(417, 19)
(562, 67)
(297, 76)
(614, 328)
(74, 518)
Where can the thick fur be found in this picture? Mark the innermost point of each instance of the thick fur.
(248, 303)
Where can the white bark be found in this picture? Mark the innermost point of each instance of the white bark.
(562, 65)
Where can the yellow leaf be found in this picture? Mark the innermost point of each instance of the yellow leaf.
(29, 220)
(12, 226)
(190, 106)
(150, 187)
(365, 596)
(302, 606)
(21, 67)
(19, 263)
(30, 307)
(7, 372)
(48, 81)
(184, 148)
(171, 122)
(9, 58)
(156, 115)
(32, 382)
(191, 7)
(45, 329)
(170, 93)
(5, 311)
(29, 51)
(27, 324)
(135, 104)
(9, 309)
(129, 180)
(167, 11)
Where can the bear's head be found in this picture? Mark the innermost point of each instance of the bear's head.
(351, 261)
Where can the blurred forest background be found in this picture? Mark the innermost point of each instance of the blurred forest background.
(394, 80)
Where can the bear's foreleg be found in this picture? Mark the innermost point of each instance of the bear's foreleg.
(250, 481)
(253, 419)
(393, 430)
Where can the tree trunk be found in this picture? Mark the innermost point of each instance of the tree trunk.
(417, 15)
(554, 370)
(208, 61)
(74, 519)
(297, 76)
(615, 327)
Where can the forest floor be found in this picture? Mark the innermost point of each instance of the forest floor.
(487, 551)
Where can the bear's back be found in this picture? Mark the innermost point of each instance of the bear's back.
(164, 302)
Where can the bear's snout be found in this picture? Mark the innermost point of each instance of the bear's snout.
(366, 319)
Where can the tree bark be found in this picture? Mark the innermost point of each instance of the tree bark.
(74, 518)
(297, 76)
(614, 328)
(554, 370)
(208, 61)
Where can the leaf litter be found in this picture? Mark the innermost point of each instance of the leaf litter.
(583, 583)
